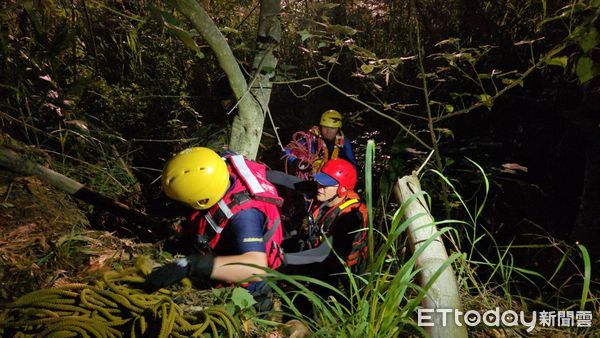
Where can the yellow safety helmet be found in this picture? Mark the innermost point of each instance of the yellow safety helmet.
(332, 119)
(196, 176)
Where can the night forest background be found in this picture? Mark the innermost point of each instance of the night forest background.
(505, 93)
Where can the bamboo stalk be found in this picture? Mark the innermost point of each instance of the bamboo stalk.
(443, 293)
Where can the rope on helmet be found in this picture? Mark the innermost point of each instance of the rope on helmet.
(301, 148)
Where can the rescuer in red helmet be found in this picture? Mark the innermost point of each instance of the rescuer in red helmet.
(337, 226)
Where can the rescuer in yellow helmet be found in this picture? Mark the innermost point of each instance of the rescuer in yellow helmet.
(309, 150)
(235, 219)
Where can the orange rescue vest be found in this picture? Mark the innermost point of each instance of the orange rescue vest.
(324, 220)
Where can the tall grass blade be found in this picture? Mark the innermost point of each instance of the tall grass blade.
(486, 184)
(369, 158)
(587, 276)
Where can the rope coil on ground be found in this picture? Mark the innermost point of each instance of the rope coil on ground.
(113, 307)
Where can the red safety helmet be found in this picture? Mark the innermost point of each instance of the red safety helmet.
(342, 171)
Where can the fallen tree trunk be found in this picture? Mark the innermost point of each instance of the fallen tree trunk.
(21, 165)
(443, 293)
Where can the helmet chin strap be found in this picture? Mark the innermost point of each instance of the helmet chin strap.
(331, 199)
(337, 194)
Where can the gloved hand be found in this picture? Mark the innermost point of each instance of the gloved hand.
(198, 266)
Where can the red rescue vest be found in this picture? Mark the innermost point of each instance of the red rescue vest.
(250, 190)
(324, 220)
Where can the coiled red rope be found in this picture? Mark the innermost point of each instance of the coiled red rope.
(301, 148)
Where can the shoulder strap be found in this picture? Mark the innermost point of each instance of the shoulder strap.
(267, 236)
(246, 174)
(348, 203)
(224, 212)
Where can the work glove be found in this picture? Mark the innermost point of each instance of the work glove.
(195, 266)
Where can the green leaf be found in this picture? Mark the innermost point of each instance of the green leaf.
(595, 3)
(242, 298)
(284, 67)
(449, 108)
(508, 81)
(220, 293)
(589, 39)
(345, 30)
(367, 68)
(486, 100)
(587, 266)
(229, 30)
(445, 132)
(267, 70)
(585, 69)
(186, 37)
(304, 35)
(560, 61)
(166, 16)
(362, 52)
(395, 61)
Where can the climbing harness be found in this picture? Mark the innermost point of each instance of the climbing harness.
(112, 307)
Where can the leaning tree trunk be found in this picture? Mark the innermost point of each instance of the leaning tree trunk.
(253, 98)
(22, 165)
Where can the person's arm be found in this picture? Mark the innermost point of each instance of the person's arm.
(228, 268)
(292, 160)
(243, 238)
(348, 153)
